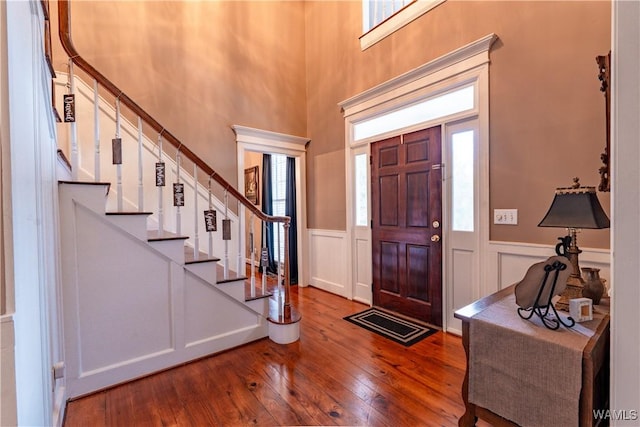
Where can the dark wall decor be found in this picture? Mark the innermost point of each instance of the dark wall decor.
(604, 75)
(251, 188)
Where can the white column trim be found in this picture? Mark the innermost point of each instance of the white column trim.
(263, 141)
(625, 209)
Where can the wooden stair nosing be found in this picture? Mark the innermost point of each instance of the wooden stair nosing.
(154, 236)
(202, 257)
(129, 213)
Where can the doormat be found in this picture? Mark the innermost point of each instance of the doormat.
(395, 328)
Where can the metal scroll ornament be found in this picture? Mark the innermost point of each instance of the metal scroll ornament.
(604, 74)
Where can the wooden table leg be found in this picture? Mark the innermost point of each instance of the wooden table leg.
(468, 419)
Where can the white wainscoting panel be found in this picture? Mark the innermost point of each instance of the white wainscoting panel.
(513, 259)
(327, 261)
(363, 275)
(507, 264)
(460, 288)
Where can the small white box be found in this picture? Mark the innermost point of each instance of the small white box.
(581, 309)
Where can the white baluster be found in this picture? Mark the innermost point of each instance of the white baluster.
(196, 238)
(178, 217)
(253, 256)
(264, 267)
(96, 130)
(226, 242)
(242, 256)
(119, 165)
(74, 129)
(160, 209)
(210, 253)
(140, 174)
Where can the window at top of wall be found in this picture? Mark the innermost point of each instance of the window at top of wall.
(383, 17)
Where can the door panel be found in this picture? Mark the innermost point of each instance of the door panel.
(406, 200)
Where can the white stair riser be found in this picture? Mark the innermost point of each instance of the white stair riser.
(234, 289)
(205, 270)
(90, 195)
(133, 224)
(173, 249)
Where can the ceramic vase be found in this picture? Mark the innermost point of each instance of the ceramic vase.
(593, 286)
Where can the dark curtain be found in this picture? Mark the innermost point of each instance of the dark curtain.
(267, 240)
(290, 211)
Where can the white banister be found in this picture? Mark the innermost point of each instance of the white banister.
(96, 131)
(177, 205)
(74, 128)
(140, 174)
(160, 181)
(196, 237)
(119, 163)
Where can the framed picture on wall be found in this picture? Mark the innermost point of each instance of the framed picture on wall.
(251, 188)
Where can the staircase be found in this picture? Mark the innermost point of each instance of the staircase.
(142, 288)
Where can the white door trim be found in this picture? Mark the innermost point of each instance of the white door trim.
(466, 64)
(267, 142)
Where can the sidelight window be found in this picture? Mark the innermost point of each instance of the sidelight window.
(462, 165)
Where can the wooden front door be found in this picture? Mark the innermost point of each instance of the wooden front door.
(406, 193)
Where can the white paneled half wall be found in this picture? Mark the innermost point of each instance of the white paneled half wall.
(327, 266)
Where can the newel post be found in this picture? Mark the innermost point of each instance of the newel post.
(287, 279)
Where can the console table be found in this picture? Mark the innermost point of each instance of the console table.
(594, 372)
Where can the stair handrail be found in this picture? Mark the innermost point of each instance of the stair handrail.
(64, 31)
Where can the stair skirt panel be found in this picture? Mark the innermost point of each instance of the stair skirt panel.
(129, 310)
(207, 314)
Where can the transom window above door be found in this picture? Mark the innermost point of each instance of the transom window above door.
(456, 101)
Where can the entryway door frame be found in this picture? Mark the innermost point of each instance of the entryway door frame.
(267, 142)
(466, 65)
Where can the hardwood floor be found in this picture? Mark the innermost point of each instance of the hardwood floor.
(336, 374)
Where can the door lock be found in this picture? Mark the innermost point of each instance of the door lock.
(436, 224)
(435, 238)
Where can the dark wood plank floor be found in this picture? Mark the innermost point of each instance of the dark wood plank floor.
(336, 374)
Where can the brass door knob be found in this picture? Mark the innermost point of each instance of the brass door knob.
(435, 238)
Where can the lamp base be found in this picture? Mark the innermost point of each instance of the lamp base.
(573, 290)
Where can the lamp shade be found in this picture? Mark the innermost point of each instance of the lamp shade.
(575, 208)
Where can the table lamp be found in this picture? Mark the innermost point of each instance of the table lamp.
(574, 208)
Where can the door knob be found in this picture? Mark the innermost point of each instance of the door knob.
(435, 238)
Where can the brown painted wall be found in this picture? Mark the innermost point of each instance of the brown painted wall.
(546, 111)
(199, 67)
(284, 66)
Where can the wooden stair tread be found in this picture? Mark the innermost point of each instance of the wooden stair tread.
(189, 257)
(233, 276)
(156, 236)
(129, 213)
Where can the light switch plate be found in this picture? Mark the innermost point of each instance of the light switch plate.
(505, 216)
